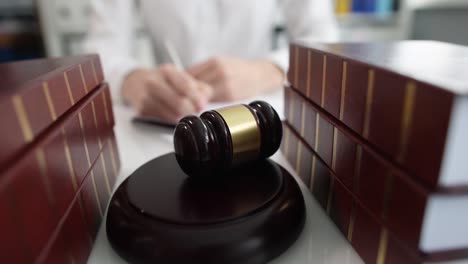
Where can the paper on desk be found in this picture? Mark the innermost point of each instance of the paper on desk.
(274, 98)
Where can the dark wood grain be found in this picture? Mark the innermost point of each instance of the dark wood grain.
(161, 215)
(203, 145)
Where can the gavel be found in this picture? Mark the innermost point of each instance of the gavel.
(225, 138)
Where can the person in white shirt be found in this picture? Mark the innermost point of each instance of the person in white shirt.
(224, 46)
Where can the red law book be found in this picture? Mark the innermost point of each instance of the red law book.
(415, 214)
(30, 87)
(373, 237)
(74, 159)
(72, 239)
(408, 99)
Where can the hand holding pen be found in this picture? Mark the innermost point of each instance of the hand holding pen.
(167, 92)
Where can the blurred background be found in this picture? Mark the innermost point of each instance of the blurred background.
(31, 29)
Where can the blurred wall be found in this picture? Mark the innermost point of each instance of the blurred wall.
(20, 36)
(65, 23)
(444, 24)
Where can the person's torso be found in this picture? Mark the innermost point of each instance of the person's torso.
(199, 29)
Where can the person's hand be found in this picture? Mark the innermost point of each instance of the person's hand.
(234, 78)
(165, 92)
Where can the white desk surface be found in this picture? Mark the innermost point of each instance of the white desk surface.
(319, 242)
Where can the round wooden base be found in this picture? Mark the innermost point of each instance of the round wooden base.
(160, 215)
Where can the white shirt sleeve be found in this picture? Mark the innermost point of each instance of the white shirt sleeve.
(311, 19)
(110, 35)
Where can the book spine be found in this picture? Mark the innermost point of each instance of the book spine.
(293, 64)
(388, 194)
(62, 88)
(73, 238)
(384, 6)
(303, 79)
(311, 125)
(315, 63)
(371, 239)
(358, 6)
(342, 6)
(51, 172)
(369, 6)
(386, 109)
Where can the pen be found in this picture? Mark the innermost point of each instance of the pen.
(173, 55)
(175, 59)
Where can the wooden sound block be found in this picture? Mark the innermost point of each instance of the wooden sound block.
(161, 215)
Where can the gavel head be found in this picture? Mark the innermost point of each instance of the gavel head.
(224, 138)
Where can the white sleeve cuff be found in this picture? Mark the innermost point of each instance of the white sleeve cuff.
(116, 75)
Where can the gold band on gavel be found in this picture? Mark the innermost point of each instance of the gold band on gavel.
(244, 130)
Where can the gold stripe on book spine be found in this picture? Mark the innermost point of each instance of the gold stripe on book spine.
(42, 163)
(369, 99)
(70, 162)
(309, 61)
(383, 243)
(106, 176)
(357, 171)
(335, 135)
(303, 119)
(324, 80)
(406, 119)
(40, 155)
(94, 72)
(85, 87)
(80, 117)
(113, 160)
(96, 124)
(312, 173)
(296, 66)
(22, 118)
(317, 123)
(67, 83)
(244, 130)
(343, 89)
(332, 179)
(53, 114)
(286, 143)
(45, 89)
(298, 156)
(96, 194)
(290, 110)
(106, 111)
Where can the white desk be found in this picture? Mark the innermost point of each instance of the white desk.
(320, 241)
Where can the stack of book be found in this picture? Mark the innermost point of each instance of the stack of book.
(58, 158)
(379, 133)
